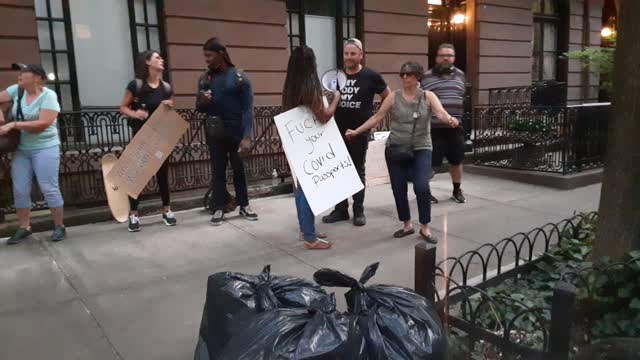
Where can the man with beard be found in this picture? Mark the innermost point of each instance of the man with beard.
(448, 83)
(354, 108)
(225, 95)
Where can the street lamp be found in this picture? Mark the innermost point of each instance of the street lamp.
(606, 32)
(458, 18)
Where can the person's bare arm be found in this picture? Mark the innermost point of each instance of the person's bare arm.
(126, 110)
(47, 117)
(385, 93)
(326, 113)
(439, 112)
(4, 97)
(374, 120)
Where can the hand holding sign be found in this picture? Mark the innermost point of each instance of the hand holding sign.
(319, 158)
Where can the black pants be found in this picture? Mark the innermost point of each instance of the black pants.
(221, 151)
(357, 148)
(162, 177)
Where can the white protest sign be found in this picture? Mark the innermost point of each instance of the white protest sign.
(318, 157)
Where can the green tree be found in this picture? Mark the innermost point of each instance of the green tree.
(600, 60)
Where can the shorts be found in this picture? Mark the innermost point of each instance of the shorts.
(449, 143)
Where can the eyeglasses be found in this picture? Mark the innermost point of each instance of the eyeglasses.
(446, 55)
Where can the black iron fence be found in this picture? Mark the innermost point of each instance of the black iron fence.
(459, 287)
(547, 93)
(88, 135)
(560, 139)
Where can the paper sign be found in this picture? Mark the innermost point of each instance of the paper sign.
(381, 135)
(148, 150)
(319, 158)
(376, 165)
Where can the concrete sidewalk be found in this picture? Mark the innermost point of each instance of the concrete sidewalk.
(107, 294)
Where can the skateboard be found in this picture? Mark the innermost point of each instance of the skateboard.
(118, 199)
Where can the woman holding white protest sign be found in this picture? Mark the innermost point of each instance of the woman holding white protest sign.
(409, 145)
(302, 88)
(142, 97)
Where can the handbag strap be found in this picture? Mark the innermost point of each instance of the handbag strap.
(415, 120)
(19, 114)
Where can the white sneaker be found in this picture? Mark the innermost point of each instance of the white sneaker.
(169, 218)
(134, 223)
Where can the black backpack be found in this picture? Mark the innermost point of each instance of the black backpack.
(166, 87)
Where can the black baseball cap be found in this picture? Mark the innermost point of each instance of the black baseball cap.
(32, 68)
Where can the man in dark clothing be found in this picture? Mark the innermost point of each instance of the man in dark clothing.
(356, 107)
(448, 83)
(225, 92)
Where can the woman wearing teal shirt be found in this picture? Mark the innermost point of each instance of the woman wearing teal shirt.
(39, 150)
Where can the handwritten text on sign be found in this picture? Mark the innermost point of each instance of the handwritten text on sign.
(147, 151)
(319, 158)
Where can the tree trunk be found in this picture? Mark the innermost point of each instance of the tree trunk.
(619, 217)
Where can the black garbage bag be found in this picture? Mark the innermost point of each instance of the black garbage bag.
(392, 322)
(318, 332)
(233, 295)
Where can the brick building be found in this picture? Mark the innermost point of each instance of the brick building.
(89, 45)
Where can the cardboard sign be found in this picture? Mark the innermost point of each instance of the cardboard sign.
(319, 158)
(148, 150)
(376, 165)
(117, 199)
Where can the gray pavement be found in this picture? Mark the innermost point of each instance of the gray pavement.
(107, 294)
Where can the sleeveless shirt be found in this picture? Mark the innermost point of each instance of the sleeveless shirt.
(402, 120)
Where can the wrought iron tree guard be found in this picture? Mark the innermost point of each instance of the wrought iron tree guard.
(453, 275)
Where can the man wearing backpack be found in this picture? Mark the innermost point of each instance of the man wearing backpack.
(225, 95)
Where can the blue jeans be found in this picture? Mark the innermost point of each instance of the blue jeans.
(420, 165)
(306, 219)
(45, 165)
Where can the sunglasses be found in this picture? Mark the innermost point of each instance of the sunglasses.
(403, 74)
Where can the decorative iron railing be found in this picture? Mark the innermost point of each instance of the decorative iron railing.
(459, 287)
(540, 94)
(560, 139)
(88, 135)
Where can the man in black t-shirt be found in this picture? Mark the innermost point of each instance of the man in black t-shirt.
(356, 107)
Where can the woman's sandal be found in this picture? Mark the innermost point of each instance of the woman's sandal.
(319, 235)
(428, 238)
(402, 233)
(319, 244)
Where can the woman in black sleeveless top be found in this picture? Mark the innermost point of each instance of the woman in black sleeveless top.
(142, 97)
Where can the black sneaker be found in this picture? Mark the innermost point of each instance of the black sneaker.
(359, 219)
(335, 216)
(169, 218)
(59, 233)
(434, 200)
(134, 223)
(248, 213)
(459, 197)
(218, 217)
(19, 235)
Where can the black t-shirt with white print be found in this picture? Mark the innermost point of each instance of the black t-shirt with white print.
(149, 97)
(356, 105)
